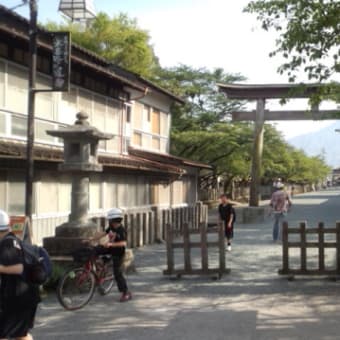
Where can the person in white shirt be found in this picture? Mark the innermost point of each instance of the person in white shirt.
(280, 202)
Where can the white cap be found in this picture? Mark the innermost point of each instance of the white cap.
(4, 221)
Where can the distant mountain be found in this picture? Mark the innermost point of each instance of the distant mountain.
(324, 142)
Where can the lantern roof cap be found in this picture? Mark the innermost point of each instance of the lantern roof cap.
(77, 10)
(81, 129)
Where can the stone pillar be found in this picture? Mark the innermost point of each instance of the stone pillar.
(79, 199)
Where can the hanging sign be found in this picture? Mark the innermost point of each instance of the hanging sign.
(61, 60)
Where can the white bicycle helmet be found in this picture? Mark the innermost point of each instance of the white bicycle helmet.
(4, 221)
(114, 213)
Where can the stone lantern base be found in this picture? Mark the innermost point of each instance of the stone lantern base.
(68, 237)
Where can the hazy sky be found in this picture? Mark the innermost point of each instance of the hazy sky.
(200, 33)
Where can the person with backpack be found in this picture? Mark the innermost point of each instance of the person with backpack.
(18, 298)
(227, 216)
(115, 246)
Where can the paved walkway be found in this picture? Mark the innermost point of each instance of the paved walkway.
(252, 302)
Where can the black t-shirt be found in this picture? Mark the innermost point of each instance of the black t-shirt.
(116, 235)
(14, 291)
(226, 211)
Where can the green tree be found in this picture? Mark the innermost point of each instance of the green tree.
(277, 159)
(226, 147)
(280, 159)
(309, 34)
(201, 129)
(119, 40)
(205, 106)
(307, 170)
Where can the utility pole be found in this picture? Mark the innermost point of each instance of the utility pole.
(33, 30)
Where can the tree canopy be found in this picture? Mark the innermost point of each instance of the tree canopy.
(309, 34)
(205, 106)
(282, 160)
(202, 131)
(117, 39)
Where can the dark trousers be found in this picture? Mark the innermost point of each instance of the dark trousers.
(118, 274)
(228, 232)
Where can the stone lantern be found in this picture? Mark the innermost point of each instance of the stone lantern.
(80, 159)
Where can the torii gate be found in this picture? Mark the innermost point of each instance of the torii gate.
(271, 91)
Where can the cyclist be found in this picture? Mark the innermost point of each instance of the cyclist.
(115, 246)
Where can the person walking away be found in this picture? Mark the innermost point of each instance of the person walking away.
(226, 215)
(279, 202)
(18, 299)
(115, 246)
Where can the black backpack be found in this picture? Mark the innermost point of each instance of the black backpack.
(37, 263)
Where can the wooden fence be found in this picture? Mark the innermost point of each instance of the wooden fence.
(144, 226)
(149, 226)
(319, 242)
(188, 244)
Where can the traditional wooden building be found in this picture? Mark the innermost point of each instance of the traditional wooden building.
(138, 170)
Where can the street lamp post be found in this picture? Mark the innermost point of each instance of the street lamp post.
(83, 9)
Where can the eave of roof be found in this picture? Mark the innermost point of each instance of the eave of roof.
(136, 77)
(170, 159)
(17, 149)
(258, 91)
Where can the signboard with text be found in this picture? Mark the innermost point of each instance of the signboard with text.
(61, 61)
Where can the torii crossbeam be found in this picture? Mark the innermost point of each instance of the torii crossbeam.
(270, 91)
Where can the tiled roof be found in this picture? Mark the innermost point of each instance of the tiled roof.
(169, 159)
(17, 149)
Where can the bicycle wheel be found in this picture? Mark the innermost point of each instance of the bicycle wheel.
(76, 288)
(105, 278)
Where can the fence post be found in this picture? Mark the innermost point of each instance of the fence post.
(170, 250)
(173, 220)
(145, 217)
(139, 230)
(205, 214)
(157, 226)
(338, 247)
(303, 246)
(321, 246)
(187, 250)
(128, 230)
(183, 216)
(191, 211)
(285, 263)
(133, 230)
(186, 217)
(221, 246)
(151, 222)
(204, 247)
(178, 220)
(196, 217)
(165, 221)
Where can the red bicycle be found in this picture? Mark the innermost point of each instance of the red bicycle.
(76, 287)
